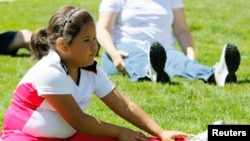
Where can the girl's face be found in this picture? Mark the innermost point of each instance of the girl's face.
(83, 49)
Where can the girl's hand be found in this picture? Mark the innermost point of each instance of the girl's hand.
(172, 135)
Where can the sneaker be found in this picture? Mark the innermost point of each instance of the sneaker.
(224, 71)
(158, 58)
(204, 135)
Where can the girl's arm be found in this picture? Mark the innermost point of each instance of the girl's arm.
(67, 107)
(131, 112)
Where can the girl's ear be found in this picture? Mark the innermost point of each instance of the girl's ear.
(61, 45)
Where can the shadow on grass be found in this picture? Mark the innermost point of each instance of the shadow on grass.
(171, 83)
(243, 81)
(21, 55)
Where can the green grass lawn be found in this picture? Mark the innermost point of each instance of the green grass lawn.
(182, 105)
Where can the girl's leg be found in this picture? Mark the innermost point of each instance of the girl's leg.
(77, 137)
(19, 136)
(179, 64)
(85, 137)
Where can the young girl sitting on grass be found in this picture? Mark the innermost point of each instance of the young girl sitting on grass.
(48, 103)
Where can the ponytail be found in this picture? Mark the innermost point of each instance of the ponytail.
(39, 43)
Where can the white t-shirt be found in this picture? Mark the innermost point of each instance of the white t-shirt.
(32, 114)
(143, 22)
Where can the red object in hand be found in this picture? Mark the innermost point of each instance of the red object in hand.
(180, 139)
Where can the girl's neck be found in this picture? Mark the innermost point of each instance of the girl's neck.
(72, 72)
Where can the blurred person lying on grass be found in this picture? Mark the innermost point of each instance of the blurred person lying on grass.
(12, 41)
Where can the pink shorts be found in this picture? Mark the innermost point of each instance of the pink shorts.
(77, 137)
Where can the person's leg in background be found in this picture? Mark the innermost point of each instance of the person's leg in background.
(12, 41)
(179, 65)
(224, 71)
(21, 40)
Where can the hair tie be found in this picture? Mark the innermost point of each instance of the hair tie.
(66, 18)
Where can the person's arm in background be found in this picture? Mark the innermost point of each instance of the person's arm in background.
(104, 30)
(182, 33)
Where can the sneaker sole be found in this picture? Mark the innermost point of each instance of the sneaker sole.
(232, 59)
(158, 59)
